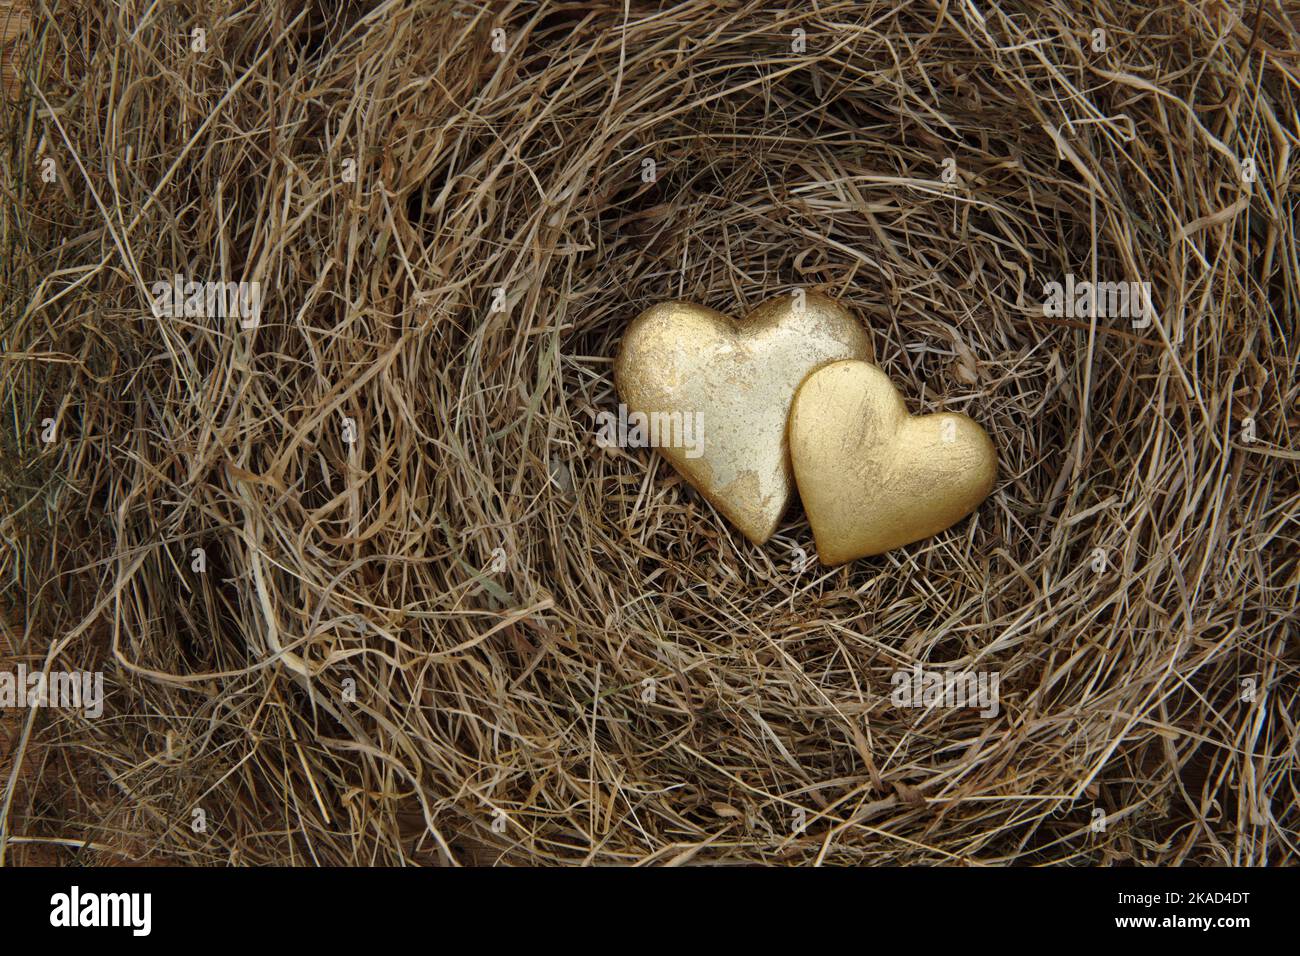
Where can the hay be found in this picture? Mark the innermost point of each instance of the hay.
(559, 652)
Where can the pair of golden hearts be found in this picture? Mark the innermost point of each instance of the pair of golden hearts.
(790, 389)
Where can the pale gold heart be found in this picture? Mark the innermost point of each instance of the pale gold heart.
(739, 379)
(873, 478)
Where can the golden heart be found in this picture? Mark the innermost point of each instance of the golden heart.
(720, 393)
(873, 478)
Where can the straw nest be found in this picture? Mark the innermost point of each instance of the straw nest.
(436, 622)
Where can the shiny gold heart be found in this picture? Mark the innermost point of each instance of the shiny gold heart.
(739, 378)
(873, 478)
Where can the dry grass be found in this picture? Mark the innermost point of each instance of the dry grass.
(519, 696)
